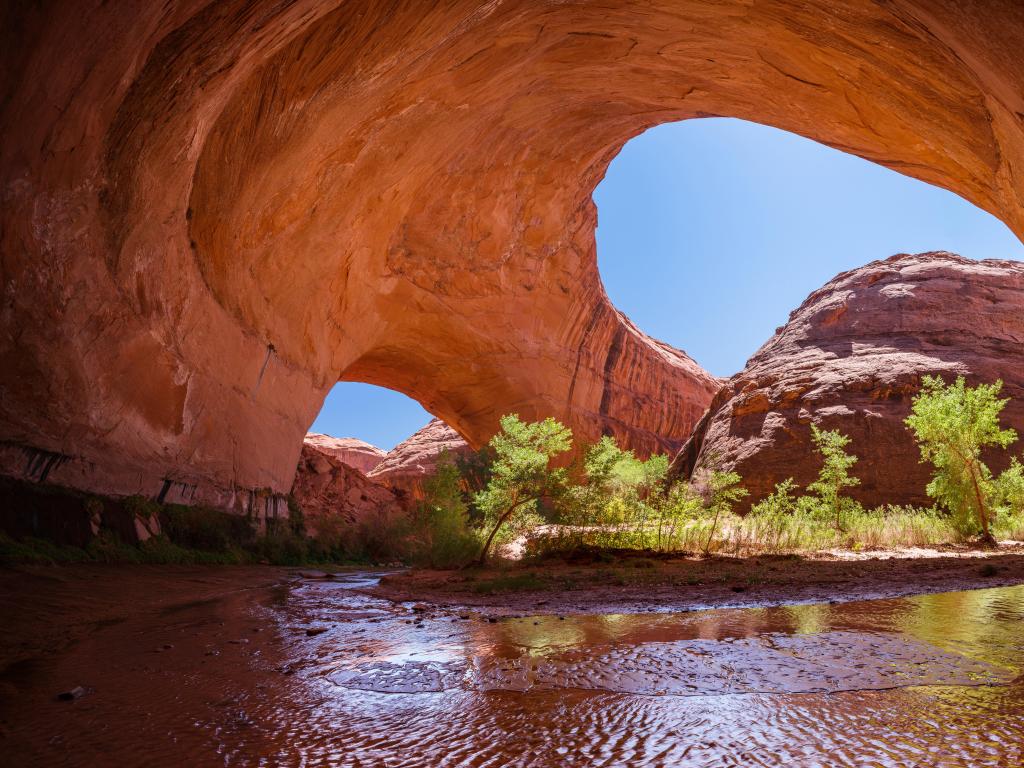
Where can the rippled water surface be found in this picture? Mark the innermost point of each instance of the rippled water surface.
(249, 679)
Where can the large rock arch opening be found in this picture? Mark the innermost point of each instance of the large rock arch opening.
(213, 211)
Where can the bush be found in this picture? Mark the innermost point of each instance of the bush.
(107, 547)
(834, 475)
(440, 535)
(281, 545)
(203, 528)
(37, 551)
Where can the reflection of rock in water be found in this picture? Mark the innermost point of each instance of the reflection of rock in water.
(828, 662)
(192, 666)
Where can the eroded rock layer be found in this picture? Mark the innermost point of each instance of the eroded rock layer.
(212, 211)
(334, 495)
(408, 463)
(356, 453)
(852, 357)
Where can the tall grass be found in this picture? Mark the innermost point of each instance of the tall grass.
(801, 529)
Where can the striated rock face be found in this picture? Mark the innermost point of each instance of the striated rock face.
(331, 493)
(357, 454)
(212, 211)
(852, 357)
(411, 460)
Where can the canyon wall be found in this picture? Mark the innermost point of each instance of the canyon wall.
(212, 211)
(334, 495)
(409, 462)
(356, 453)
(851, 358)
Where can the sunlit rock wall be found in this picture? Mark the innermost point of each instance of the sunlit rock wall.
(852, 357)
(212, 211)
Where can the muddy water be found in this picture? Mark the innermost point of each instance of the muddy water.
(247, 677)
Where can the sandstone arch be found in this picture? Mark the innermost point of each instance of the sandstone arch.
(212, 211)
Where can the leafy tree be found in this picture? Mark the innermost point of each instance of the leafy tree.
(834, 474)
(612, 471)
(952, 424)
(1009, 490)
(520, 473)
(781, 501)
(618, 486)
(723, 490)
(442, 534)
(675, 506)
(475, 470)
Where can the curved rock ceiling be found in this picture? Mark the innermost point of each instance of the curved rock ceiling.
(215, 210)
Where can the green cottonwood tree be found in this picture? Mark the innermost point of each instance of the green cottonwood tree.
(723, 490)
(441, 525)
(952, 423)
(520, 473)
(834, 475)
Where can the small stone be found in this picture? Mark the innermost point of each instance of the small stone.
(70, 695)
(313, 631)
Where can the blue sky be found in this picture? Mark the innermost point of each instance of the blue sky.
(711, 231)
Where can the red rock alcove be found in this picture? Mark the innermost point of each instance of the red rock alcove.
(214, 211)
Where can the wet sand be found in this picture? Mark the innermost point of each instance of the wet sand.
(636, 584)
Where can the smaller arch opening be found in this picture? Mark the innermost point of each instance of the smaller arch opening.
(374, 414)
(711, 231)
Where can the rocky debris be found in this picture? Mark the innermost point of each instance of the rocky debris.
(852, 357)
(409, 462)
(72, 693)
(334, 494)
(357, 454)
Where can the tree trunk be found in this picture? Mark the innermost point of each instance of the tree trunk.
(482, 559)
(986, 536)
(714, 525)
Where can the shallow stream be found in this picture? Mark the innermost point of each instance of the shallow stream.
(313, 672)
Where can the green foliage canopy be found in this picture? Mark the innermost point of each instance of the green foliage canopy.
(952, 424)
(521, 473)
(834, 475)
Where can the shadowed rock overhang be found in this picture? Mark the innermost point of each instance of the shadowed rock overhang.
(214, 211)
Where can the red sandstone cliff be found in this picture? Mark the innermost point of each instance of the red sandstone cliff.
(852, 357)
(357, 454)
(333, 495)
(212, 211)
(406, 465)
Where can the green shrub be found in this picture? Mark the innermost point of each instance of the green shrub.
(37, 551)
(834, 476)
(205, 529)
(440, 534)
(108, 547)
